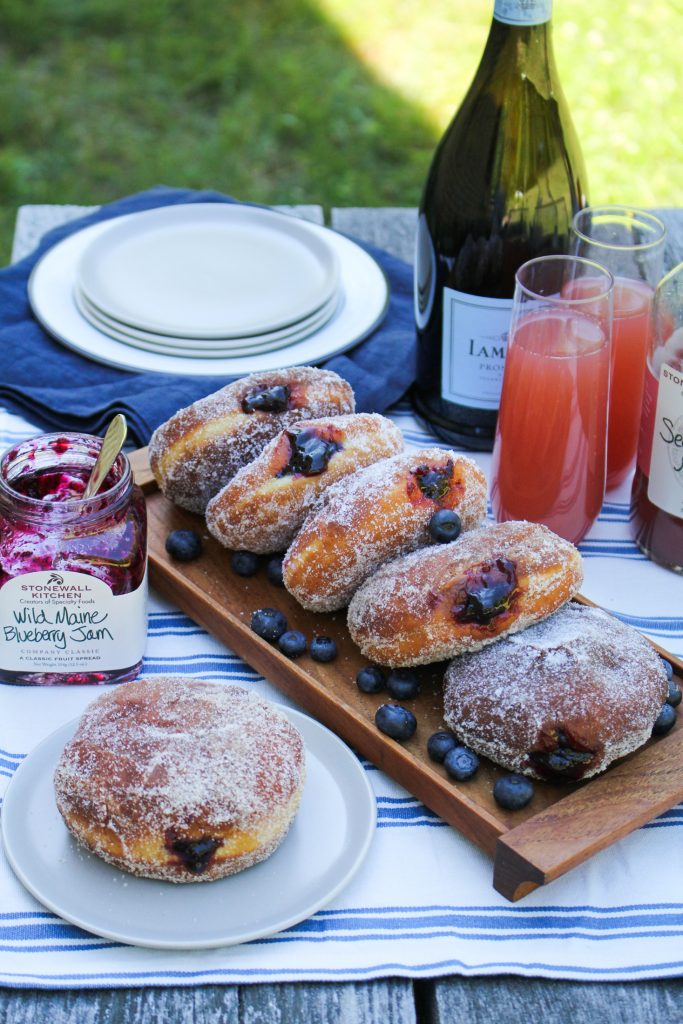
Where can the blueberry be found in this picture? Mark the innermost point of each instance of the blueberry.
(395, 721)
(668, 668)
(439, 743)
(269, 623)
(674, 695)
(274, 570)
(244, 563)
(461, 763)
(665, 720)
(184, 545)
(513, 792)
(323, 648)
(403, 684)
(370, 679)
(292, 643)
(445, 525)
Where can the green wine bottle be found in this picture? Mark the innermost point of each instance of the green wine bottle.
(503, 186)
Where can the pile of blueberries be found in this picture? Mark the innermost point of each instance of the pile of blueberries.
(667, 716)
(271, 625)
(512, 791)
(268, 623)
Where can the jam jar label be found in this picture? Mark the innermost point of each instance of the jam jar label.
(70, 622)
(665, 489)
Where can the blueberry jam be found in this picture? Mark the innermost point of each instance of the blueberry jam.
(194, 854)
(63, 628)
(46, 486)
(488, 591)
(561, 758)
(433, 482)
(275, 399)
(311, 450)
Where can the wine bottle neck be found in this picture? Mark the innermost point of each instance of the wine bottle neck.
(523, 12)
(524, 50)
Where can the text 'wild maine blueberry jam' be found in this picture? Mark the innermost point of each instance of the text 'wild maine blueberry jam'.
(73, 580)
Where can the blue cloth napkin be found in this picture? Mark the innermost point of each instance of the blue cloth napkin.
(60, 389)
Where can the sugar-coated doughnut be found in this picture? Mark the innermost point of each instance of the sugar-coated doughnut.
(201, 447)
(263, 506)
(181, 780)
(441, 601)
(375, 515)
(561, 700)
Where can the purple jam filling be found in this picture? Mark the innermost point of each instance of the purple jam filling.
(488, 592)
(275, 399)
(434, 482)
(564, 761)
(194, 854)
(310, 452)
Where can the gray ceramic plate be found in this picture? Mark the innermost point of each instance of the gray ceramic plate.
(326, 845)
(209, 270)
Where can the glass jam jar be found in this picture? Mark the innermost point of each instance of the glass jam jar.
(73, 579)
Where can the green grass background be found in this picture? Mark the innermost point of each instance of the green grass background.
(338, 102)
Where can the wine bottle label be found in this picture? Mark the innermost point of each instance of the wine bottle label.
(523, 12)
(475, 332)
(665, 488)
(70, 622)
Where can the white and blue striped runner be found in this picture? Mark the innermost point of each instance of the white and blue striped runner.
(422, 905)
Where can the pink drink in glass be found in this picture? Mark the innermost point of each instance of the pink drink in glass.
(549, 453)
(630, 333)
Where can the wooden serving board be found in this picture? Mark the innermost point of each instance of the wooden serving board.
(560, 828)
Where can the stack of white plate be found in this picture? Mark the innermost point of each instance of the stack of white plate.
(206, 288)
(207, 281)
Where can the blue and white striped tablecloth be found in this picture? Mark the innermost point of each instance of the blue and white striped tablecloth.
(422, 904)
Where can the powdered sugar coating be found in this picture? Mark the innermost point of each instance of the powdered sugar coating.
(173, 757)
(403, 615)
(261, 510)
(375, 515)
(202, 446)
(580, 671)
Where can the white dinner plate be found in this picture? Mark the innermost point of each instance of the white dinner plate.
(190, 348)
(51, 290)
(328, 840)
(208, 270)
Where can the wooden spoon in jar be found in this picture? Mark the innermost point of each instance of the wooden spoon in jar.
(112, 443)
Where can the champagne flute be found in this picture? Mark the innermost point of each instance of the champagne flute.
(549, 455)
(630, 243)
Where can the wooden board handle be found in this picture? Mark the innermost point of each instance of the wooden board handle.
(590, 818)
(139, 461)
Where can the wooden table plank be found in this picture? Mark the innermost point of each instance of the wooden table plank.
(35, 219)
(505, 999)
(393, 229)
(387, 1001)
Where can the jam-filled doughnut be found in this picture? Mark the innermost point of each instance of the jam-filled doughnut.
(441, 601)
(374, 516)
(263, 506)
(561, 700)
(181, 780)
(201, 447)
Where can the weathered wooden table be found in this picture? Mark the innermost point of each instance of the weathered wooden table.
(501, 999)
